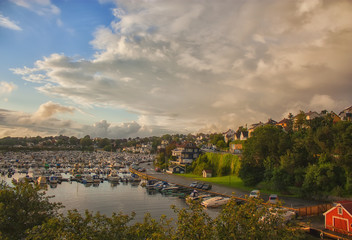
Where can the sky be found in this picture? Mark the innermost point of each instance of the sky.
(128, 68)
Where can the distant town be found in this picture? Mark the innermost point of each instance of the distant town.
(228, 141)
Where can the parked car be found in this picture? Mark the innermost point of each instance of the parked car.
(206, 186)
(273, 199)
(254, 194)
(193, 184)
(200, 185)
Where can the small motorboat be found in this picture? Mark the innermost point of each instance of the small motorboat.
(215, 202)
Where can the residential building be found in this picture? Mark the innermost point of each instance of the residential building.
(339, 217)
(185, 154)
(207, 173)
(284, 123)
(346, 114)
(253, 127)
(229, 135)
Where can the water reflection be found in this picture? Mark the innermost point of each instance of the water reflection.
(108, 197)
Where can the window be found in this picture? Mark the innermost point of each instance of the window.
(339, 211)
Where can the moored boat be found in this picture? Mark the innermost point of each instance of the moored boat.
(41, 180)
(53, 180)
(215, 202)
(113, 177)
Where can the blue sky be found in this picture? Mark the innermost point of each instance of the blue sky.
(121, 68)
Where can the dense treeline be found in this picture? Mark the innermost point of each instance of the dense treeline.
(220, 164)
(314, 157)
(26, 213)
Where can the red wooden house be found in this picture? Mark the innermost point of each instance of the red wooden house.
(339, 217)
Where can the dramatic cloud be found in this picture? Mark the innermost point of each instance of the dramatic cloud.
(49, 109)
(43, 123)
(41, 7)
(14, 124)
(188, 65)
(7, 23)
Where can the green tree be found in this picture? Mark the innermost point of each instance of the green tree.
(74, 141)
(300, 120)
(249, 221)
(75, 226)
(194, 223)
(103, 142)
(22, 207)
(267, 142)
(86, 142)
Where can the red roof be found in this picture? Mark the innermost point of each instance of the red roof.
(347, 205)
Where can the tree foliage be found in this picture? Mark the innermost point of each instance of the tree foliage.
(221, 164)
(26, 213)
(316, 157)
(22, 207)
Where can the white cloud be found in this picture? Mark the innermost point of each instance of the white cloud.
(7, 23)
(6, 88)
(41, 7)
(186, 65)
(322, 102)
(42, 123)
(49, 109)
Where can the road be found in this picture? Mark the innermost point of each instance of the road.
(177, 179)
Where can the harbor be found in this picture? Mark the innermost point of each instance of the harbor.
(121, 182)
(126, 194)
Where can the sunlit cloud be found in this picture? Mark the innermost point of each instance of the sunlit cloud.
(49, 109)
(6, 88)
(7, 23)
(189, 65)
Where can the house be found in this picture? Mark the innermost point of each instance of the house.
(229, 135)
(284, 123)
(311, 115)
(176, 169)
(241, 135)
(271, 122)
(235, 147)
(253, 127)
(207, 173)
(185, 154)
(346, 114)
(339, 217)
(335, 117)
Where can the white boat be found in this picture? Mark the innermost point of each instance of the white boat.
(154, 186)
(195, 195)
(87, 179)
(113, 177)
(96, 179)
(53, 180)
(41, 180)
(59, 176)
(215, 202)
(172, 189)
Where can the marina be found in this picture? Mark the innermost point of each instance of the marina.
(91, 186)
(106, 183)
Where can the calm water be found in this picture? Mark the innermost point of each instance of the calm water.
(107, 199)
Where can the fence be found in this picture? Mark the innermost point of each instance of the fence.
(313, 210)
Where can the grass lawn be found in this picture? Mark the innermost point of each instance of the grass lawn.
(235, 182)
(230, 181)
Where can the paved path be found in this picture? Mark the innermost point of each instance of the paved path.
(177, 179)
